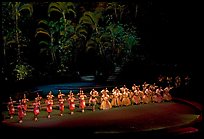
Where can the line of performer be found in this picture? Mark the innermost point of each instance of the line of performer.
(117, 97)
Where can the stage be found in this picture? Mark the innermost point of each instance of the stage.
(174, 118)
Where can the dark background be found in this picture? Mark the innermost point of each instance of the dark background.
(165, 31)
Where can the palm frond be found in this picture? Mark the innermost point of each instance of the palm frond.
(11, 42)
(43, 43)
(43, 22)
(41, 31)
(28, 7)
(55, 7)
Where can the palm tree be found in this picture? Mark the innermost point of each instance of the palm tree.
(117, 10)
(17, 8)
(14, 36)
(62, 8)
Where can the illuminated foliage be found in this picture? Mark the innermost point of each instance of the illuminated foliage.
(68, 32)
(23, 71)
(14, 37)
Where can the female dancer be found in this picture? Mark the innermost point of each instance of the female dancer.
(116, 96)
(93, 99)
(71, 103)
(39, 98)
(49, 103)
(24, 103)
(105, 103)
(136, 96)
(36, 109)
(20, 111)
(125, 98)
(11, 108)
(61, 105)
(82, 103)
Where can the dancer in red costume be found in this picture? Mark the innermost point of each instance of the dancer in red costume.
(24, 103)
(49, 103)
(20, 112)
(61, 105)
(71, 103)
(82, 102)
(69, 95)
(11, 108)
(36, 109)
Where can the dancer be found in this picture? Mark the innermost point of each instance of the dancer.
(116, 96)
(105, 104)
(69, 95)
(166, 94)
(24, 103)
(125, 98)
(49, 103)
(93, 99)
(61, 105)
(82, 102)
(36, 109)
(11, 108)
(20, 111)
(71, 102)
(135, 96)
(39, 98)
(157, 97)
(147, 95)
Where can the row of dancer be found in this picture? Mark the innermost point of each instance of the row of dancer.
(118, 97)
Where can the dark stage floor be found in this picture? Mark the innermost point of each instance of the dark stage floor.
(168, 119)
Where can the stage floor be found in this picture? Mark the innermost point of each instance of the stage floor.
(163, 117)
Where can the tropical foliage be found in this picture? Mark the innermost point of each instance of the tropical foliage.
(17, 13)
(69, 32)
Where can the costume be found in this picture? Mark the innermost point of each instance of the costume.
(61, 106)
(20, 112)
(105, 104)
(82, 103)
(116, 96)
(71, 102)
(11, 108)
(166, 95)
(125, 98)
(49, 103)
(38, 98)
(146, 98)
(24, 103)
(93, 99)
(36, 109)
(135, 97)
(157, 97)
